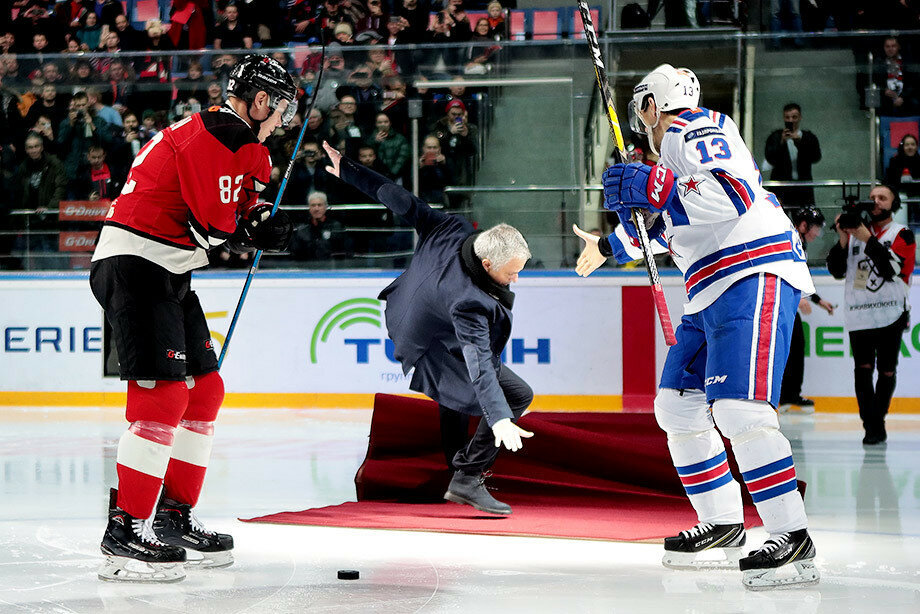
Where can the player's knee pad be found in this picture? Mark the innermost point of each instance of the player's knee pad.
(737, 418)
(682, 412)
(206, 393)
(160, 401)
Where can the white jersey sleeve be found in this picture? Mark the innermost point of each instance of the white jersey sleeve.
(716, 177)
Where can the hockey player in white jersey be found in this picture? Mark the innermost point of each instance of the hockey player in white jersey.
(744, 270)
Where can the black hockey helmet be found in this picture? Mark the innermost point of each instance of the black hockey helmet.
(809, 214)
(260, 73)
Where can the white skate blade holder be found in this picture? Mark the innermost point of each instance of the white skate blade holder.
(208, 560)
(712, 559)
(795, 575)
(124, 569)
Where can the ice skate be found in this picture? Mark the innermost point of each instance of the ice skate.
(705, 546)
(176, 524)
(134, 554)
(764, 568)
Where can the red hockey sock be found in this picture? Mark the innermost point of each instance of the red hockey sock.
(192, 448)
(143, 451)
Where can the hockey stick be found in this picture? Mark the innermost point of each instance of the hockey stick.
(258, 256)
(600, 71)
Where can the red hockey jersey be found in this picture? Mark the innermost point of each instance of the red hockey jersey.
(185, 190)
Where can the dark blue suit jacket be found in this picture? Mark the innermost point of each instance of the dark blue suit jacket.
(440, 322)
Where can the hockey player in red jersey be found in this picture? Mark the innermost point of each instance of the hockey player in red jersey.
(192, 187)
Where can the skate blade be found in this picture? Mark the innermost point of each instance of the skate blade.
(208, 560)
(704, 560)
(464, 501)
(124, 569)
(766, 579)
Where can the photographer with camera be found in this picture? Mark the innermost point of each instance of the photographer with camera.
(876, 257)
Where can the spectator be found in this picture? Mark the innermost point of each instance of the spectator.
(434, 173)
(39, 49)
(128, 36)
(367, 156)
(392, 149)
(154, 85)
(809, 223)
(321, 237)
(94, 179)
(230, 33)
(222, 66)
(375, 22)
(791, 152)
(367, 95)
(112, 46)
(793, 21)
(120, 84)
(91, 31)
(317, 130)
(897, 82)
(215, 94)
(478, 58)
(12, 127)
(109, 114)
(78, 131)
(459, 141)
(82, 75)
(877, 261)
(312, 163)
(7, 40)
(415, 13)
(39, 184)
(346, 134)
(51, 73)
(44, 128)
(193, 84)
(332, 16)
(190, 19)
(109, 11)
(128, 146)
(903, 175)
(395, 103)
(398, 34)
(498, 29)
(381, 63)
(50, 104)
(461, 30)
(343, 33)
(13, 76)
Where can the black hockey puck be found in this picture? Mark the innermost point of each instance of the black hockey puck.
(348, 574)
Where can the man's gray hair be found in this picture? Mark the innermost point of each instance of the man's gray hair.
(319, 195)
(501, 244)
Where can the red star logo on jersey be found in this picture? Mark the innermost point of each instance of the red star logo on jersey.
(692, 184)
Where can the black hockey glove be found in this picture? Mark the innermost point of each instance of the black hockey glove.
(261, 230)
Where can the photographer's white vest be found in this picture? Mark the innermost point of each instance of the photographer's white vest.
(871, 300)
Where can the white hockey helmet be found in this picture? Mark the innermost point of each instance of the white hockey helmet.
(671, 88)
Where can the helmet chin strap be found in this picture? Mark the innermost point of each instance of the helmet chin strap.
(650, 129)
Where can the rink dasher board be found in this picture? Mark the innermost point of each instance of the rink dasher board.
(317, 339)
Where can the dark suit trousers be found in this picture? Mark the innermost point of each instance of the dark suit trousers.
(480, 452)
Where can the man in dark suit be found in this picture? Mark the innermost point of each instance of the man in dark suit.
(792, 152)
(449, 316)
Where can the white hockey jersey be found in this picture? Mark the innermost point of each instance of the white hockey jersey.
(725, 226)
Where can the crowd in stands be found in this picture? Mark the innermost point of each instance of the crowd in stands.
(82, 90)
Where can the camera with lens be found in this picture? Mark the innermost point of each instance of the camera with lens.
(855, 213)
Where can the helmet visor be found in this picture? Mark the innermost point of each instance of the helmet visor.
(289, 112)
(635, 122)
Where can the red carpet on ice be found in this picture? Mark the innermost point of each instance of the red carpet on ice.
(590, 476)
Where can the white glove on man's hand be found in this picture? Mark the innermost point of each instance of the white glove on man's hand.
(508, 433)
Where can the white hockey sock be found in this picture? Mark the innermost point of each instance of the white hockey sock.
(702, 465)
(765, 459)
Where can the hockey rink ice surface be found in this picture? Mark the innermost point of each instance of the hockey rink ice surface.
(57, 465)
